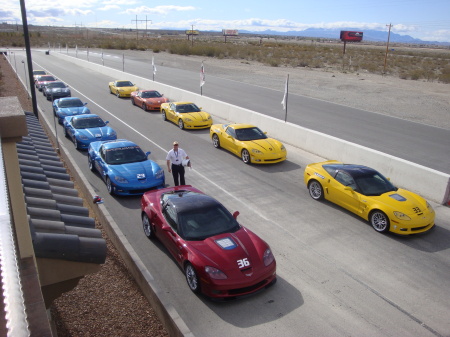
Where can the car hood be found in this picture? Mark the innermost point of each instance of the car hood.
(73, 110)
(196, 116)
(404, 201)
(155, 100)
(136, 171)
(127, 89)
(267, 145)
(57, 89)
(224, 250)
(95, 132)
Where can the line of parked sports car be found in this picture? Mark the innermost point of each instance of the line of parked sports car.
(220, 257)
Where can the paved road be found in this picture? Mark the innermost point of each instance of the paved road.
(336, 275)
(419, 143)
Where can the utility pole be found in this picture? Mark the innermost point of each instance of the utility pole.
(137, 34)
(387, 48)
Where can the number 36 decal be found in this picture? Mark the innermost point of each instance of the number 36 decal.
(243, 263)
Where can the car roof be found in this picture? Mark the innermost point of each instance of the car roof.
(186, 200)
(68, 98)
(112, 144)
(353, 169)
(179, 103)
(240, 126)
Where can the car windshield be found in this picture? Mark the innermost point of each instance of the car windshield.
(150, 94)
(39, 72)
(374, 184)
(86, 123)
(125, 155)
(200, 224)
(124, 84)
(182, 108)
(253, 133)
(70, 103)
(56, 85)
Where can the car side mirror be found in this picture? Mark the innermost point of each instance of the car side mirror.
(107, 122)
(147, 153)
(235, 214)
(86, 103)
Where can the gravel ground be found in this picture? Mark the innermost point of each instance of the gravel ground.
(109, 303)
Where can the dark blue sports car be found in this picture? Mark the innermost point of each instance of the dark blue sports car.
(124, 167)
(85, 129)
(69, 106)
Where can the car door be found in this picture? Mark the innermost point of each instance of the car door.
(100, 162)
(343, 191)
(171, 114)
(169, 233)
(228, 140)
(70, 129)
(139, 99)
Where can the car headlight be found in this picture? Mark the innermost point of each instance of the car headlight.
(113, 134)
(209, 117)
(84, 137)
(121, 180)
(215, 273)
(282, 148)
(402, 216)
(429, 207)
(159, 174)
(268, 257)
(256, 151)
(188, 120)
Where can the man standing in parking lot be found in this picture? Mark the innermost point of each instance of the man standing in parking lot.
(175, 160)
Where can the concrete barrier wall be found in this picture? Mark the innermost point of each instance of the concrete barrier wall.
(429, 183)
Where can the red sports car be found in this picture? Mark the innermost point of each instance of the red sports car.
(220, 257)
(148, 99)
(42, 80)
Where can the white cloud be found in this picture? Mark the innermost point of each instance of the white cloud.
(159, 10)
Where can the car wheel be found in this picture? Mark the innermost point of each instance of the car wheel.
(144, 107)
(315, 190)
(90, 163)
(181, 124)
(164, 117)
(147, 226)
(192, 278)
(216, 141)
(109, 186)
(245, 156)
(65, 133)
(132, 101)
(379, 221)
(75, 143)
(118, 94)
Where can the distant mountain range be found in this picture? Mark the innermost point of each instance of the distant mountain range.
(369, 35)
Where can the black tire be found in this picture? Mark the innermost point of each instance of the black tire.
(109, 186)
(216, 141)
(245, 156)
(164, 117)
(181, 124)
(315, 190)
(118, 94)
(144, 107)
(132, 101)
(65, 133)
(75, 143)
(91, 164)
(379, 221)
(147, 227)
(192, 278)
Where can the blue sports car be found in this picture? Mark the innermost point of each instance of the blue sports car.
(85, 129)
(69, 106)
(124, 167)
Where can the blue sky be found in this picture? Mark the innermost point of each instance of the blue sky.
(423, 19)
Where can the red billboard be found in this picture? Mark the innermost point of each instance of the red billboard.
(351, 36)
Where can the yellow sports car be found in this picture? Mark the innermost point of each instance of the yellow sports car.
(186, 114)
(37, 73)
(367, 193)
(122, 88)
(248, 142)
